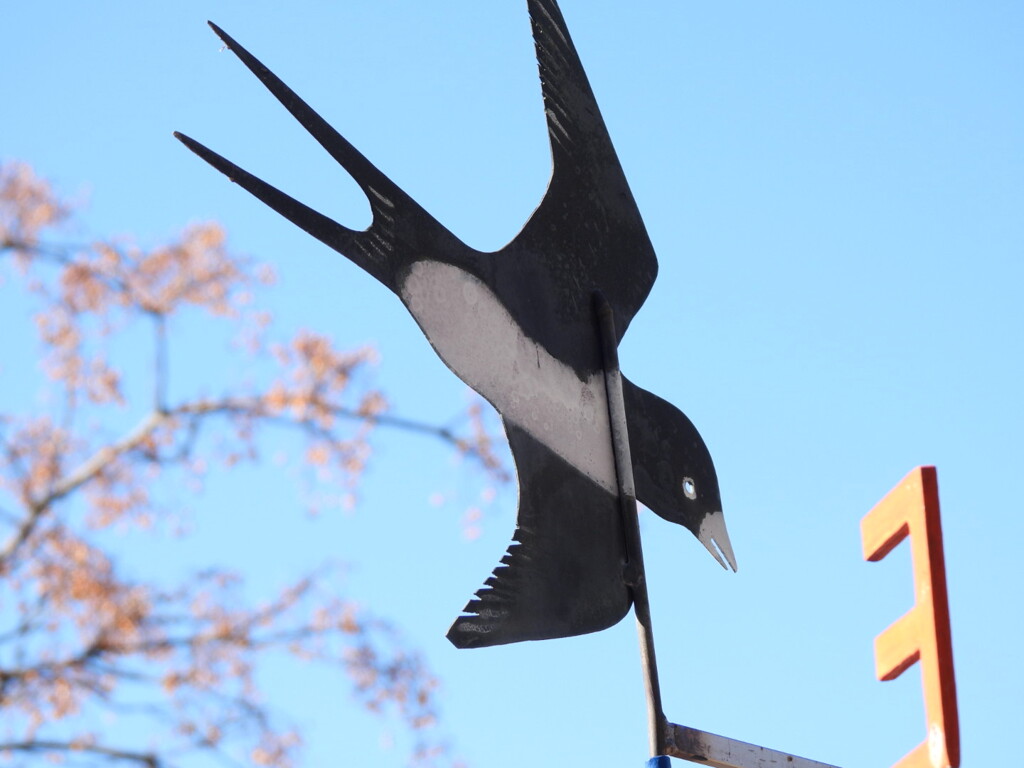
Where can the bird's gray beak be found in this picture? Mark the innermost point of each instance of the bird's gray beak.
(715, 537)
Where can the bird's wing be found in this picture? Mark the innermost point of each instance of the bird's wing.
(563, 573)
(588, 222)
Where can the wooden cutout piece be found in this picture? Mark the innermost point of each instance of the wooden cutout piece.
(923, 633)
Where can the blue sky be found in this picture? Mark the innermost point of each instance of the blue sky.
(835, 192)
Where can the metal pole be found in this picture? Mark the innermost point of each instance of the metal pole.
(657, 725)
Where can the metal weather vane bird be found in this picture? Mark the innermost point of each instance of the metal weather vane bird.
(519, 326)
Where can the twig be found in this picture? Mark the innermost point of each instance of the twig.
(143, 758)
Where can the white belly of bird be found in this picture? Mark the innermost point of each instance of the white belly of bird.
(479, 340)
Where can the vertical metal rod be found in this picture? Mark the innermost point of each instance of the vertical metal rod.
(657, 729)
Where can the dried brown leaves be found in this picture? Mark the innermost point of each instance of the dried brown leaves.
(27, 205)
(76, 634)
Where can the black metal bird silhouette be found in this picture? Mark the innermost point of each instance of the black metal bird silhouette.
(518, 326)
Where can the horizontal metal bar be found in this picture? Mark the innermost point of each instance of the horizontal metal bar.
(721, 752)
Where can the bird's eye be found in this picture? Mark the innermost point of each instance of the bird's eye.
(689, 488)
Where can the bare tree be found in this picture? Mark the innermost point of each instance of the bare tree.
(76, 634)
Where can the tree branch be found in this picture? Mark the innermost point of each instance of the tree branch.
(38, 745)
(242, 406)
(160, 370)
(86, 471)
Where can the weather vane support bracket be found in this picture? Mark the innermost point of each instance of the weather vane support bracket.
(722, 752)
(666, 739)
